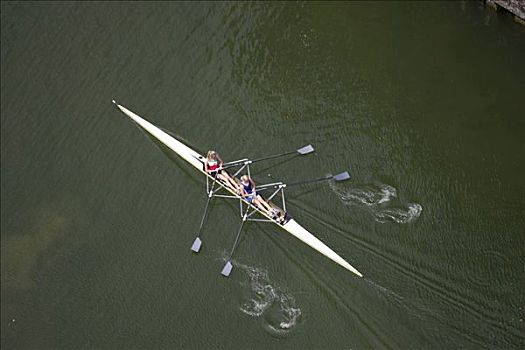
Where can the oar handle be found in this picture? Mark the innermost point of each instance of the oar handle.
(250, 161)
(272, 185)
(235, 163)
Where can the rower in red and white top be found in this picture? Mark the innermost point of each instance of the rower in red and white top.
(213, 166)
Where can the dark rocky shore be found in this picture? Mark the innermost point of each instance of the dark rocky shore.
(515, 7)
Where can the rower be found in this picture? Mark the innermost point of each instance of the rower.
(213, 166)
(247, 190)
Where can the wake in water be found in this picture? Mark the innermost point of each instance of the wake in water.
(392, 297)
(277, 307)
(367, 195)
(378, 199)
(400, 215)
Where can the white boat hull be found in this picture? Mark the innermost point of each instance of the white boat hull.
(196, 160)
(301, 233)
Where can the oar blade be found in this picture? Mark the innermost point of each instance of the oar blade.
(196, 247)
(305, 150)
(342, 176)
(227, 269)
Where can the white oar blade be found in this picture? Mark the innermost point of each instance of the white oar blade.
(227, 269)
(342, 176)
(196, 245)
(305, 149)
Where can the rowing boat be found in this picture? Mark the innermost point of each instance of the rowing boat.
(197, 161)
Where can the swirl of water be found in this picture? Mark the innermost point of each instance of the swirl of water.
(375, 198)
(277, 307)
(399, 215)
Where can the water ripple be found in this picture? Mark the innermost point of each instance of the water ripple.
(400, 215)
(375, 198)
(277, 307)
(481, 276)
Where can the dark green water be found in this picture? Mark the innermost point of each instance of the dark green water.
(421, 102)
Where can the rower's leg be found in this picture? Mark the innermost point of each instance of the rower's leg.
(227, 178)
(262, 204)
(265, 204)
(232, 181)
(224, 179)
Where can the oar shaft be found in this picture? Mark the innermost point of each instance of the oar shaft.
(210, 194)
(267, 186)
(274, 156)
(204, 216)
(324, 178)
(227, 269)
(280, 184)
(303, 150)
(237, 238)
(339, 177)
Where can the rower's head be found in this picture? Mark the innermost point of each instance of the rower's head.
(245, 179)
(212, 155)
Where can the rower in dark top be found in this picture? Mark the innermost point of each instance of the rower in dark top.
(247, 189)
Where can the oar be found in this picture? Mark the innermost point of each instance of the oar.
(196, 246)
(339, 177)
(227, 269)
(301, 151)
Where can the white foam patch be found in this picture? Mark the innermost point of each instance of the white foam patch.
(367, 195)
(401, 216)
(378, 199)
(293, 315)
(278, 307)
(387, 192)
